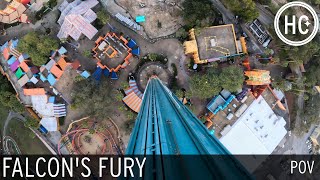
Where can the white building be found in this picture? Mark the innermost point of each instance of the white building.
(258, 131)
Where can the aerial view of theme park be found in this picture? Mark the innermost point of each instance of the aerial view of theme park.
(98, 77)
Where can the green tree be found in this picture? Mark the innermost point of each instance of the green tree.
(232, 78)
(246, 9)
(103, 16)
(205, 86)
(95, 99)
(87, 53)
(281, 84)
(198, 13)
(8, 98)
(38, 47)
(31, 122)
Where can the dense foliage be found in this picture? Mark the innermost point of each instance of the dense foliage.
(8, 98)
(198, 13)
(245, 9)
(38, 47)
(93, 98)
(214, 80)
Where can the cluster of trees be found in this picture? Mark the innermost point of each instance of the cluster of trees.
(103, 17)
(198, 13)
(8, 98)
(94, 99)
(214, 80)
(245, 9)
(38, 47)
(31, 122)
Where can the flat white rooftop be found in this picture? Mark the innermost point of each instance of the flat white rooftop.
(258, 130)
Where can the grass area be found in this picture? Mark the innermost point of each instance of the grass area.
(3, 116)
(26, 139)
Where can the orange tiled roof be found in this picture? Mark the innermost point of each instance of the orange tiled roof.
(56, 71)
(24, 66)
(34, 91)
(6, 53)
(62, 63)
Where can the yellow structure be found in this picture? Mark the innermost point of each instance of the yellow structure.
(258, 77)
(213, 43)
(315, 136)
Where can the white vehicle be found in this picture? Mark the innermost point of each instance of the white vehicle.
(307, 141)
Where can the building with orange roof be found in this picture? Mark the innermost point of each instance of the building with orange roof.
(57, 72)
(24, 66)
(62, 63)
(257, 77)
(113, 52)
(34, 91)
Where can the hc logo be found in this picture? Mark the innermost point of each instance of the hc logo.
(302, 20)
(305, 24)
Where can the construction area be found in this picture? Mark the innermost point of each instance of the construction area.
(162, 18)
(214, 44)
(90, 137)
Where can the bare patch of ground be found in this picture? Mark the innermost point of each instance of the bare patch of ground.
(162, 17)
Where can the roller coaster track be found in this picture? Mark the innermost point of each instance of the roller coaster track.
(7, 140)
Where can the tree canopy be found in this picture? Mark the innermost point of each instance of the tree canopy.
(214, 80)
(93, 98)
(103, 16)
(8, 98)
(198, 12)
(38, 47)
(232, 78)
(246, 9)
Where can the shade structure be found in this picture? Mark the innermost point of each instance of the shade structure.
(11, 60)
(19, 73)
(14, 66)
(52, 80)
(23, 80)
(85, 74)
(6, 53)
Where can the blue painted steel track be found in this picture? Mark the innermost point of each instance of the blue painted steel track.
(164, 126)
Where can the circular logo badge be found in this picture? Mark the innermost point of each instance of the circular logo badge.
(293, 23)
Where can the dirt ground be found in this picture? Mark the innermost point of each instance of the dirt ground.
(162, 17)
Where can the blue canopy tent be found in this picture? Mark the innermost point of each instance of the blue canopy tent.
(85, 74)
(136, 51)
(140, 19)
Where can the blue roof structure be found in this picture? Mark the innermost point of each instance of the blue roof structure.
(4, 46)
(52, 80)
(140, 19)
(52, 99)
(136, 51)
(131, 44)
(85, 74)
(12, 60)
(62, 50)
(97, 74)
(114, 75)
(165, 126)
(14, 43)
(43, 78)
(106, 72)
